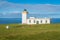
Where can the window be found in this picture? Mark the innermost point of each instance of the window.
(46, 21)
(34, 21)
(41, 21)
(29, 21)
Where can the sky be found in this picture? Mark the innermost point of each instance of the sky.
(9, 7)
(35, 1)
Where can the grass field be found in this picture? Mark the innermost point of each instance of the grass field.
(30, 32)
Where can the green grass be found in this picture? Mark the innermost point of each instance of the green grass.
(30, 32)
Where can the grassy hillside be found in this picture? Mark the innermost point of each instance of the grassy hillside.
(30, 32)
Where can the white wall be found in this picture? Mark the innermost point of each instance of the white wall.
(48, 21)
(43, 21)
(32, 21)
(24, 18)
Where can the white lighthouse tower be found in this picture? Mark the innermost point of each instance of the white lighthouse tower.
(24, 16)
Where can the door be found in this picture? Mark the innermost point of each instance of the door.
(37, 22)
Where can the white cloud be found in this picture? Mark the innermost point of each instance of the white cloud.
(9, 7)
(36, 8)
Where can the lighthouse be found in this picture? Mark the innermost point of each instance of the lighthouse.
(24, 16)
(33, 20)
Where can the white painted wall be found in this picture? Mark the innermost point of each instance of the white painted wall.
(24, 17)
(48, 21)
(32, 21)
(38, 19)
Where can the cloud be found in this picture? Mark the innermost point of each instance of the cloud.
(33, 8)
(9, 7)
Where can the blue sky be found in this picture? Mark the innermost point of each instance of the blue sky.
(33, 6)
(35, 1)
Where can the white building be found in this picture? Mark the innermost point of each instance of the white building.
(33, 20)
